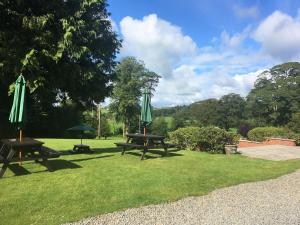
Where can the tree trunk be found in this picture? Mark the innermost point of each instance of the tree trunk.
(124, 129)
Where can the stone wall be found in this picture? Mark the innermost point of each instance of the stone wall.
(269, 141)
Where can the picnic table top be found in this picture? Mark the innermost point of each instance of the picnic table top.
(147, 136)
(26, 142)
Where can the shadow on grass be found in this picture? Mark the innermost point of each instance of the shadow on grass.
(57, 164)
(18, 170)
(60, 164)
(85, 159)
(157, 152)
(96, 151)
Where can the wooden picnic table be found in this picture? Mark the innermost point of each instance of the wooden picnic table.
(31, 150)
(80, 148)
(144, 142)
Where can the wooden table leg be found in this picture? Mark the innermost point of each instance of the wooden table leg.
(45, 161)
(7, 161)
(144, 153)
(123, 151)
(165, 148)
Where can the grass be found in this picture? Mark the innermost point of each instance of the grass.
(89, 184)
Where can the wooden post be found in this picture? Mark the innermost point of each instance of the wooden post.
(99, 121)
(145, 131)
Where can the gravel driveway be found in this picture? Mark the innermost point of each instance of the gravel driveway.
(272, 152)
(270, 202)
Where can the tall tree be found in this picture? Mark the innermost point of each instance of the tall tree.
(131, 77)
(205, 112)
(276, 94)
(231, 109)
(65, 49)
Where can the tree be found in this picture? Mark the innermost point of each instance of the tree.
(159, 126)
(231, 109)
(131, 78)
(205, 112)
(294, 124)
(65, 50)
(276, 95)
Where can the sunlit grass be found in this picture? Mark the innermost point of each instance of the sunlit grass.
(89, 184)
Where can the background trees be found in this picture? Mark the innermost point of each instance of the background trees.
(273, 101)
(276, 95)
(65, 49)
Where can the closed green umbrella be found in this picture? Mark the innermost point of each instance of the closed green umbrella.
(146, 117)
(17, 113)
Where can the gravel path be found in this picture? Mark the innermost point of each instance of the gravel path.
(272, 152)
(273, 202)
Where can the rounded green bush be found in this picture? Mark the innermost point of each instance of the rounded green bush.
(210, 139)
(186, 138)
(262, 133)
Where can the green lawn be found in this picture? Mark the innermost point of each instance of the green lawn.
(89, 184)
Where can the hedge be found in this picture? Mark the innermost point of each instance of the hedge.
(262, 133)
(209, 139)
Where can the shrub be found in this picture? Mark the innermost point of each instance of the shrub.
(262, 133)
(210, 139)
(186, 138)
(213, 139)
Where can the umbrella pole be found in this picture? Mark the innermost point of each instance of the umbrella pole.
(20, 152)
(145, 131)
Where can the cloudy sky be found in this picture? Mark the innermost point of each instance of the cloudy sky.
(207, 48)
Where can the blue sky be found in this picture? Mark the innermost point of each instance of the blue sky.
(205, 49)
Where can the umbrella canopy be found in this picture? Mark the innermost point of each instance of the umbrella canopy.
(146, 117)
(81, 128)
(17, 113)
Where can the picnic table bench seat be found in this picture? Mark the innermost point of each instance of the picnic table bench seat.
(121, 144)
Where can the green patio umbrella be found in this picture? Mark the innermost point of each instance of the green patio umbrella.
(17, 113)
(81, 128)
(146, 117)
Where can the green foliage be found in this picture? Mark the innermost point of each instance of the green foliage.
(205, 112)
(66, 50)
(294, 124)
(105, 128)
(231, 109)
(274, 101)
(214, 139)
(186, 138)
(276, 95)
(159, 126)
(262, 133)
(210, 139)
(226, 112)
(131, 78)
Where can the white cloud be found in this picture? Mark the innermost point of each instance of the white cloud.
(246, 12)
(186, 86)
(157, 42)
(189, 72)
(279, 35)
